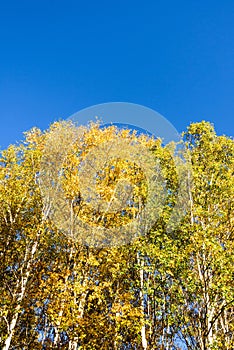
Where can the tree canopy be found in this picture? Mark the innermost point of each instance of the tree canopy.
(163, 289)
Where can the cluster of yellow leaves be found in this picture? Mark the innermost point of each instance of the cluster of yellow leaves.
(62, 294)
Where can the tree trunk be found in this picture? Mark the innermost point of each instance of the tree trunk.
(143, 330)
(20, 296)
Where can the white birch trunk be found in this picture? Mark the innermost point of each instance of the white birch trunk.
(20, 295)
(143, 330)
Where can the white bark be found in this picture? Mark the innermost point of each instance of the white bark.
(20, 295)
(143, 330)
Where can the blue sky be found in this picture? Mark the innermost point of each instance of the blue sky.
(57, 57)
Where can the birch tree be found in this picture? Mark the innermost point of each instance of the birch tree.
(166, 289)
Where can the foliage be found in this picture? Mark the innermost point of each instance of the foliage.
(164, 290)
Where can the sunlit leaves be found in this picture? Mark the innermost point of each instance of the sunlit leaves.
(176, 284)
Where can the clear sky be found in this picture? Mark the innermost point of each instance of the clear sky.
(57, 57)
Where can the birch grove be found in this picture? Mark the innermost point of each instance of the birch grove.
(164, 289)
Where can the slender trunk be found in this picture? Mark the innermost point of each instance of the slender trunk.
(45, 332)
(11, 329)
(73, 344)
(63, 303)
(143, 330)
(57, 327)
(20, 295)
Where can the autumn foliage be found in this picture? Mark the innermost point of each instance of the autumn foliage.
(164, 289)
